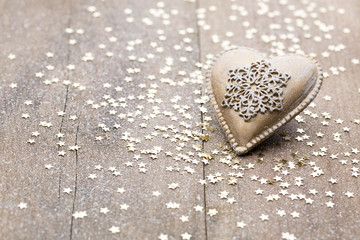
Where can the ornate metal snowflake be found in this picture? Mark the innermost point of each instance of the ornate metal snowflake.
(255, 89)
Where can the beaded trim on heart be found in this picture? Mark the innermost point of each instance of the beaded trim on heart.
(254, 89)
(261, 137)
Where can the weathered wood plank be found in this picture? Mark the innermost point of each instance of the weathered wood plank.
(147, 216)
(31, 29)
(316, 220)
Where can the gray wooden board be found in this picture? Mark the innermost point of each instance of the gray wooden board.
(316, 221)
(31, 29)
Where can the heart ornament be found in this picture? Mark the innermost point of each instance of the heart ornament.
(254, 95)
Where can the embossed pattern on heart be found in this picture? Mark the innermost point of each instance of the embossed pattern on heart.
(251, 106)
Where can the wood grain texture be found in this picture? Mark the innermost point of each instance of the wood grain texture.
(147, 217)
(316, 220)
(32, 28)
(23, 175)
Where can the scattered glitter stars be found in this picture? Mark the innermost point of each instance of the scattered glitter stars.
(281, 213)
(11, 56)
(124, 206)
(295, 214)
(163, 237)
(114, 230)
(198, 208)
(327, 98)
(92, 176)
(39, 74)
(120, 190)
(212, 212)
(173, 205)
(80, 214)
(184, 218)
(104, 210)
(13, 85)
(330, 204)
(156, 193)
(329, 194)
(173, 186)
(288, 236)
(74, 148)
(22, 205)
(333, 181)
(149, 123)
(349, 194)
(264, 217)
(67, 190)
(48, 166)
(186, 236)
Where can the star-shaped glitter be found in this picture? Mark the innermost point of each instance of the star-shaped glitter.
(22, 205)
(173, 186)
(25, 115)
(295, 214)
(186, 236)
(163, 237)
(327, 98)
(241, 224)
(212, 212)
(287, 236)
(79, 214)
(330, 204)
(281, 213)
(114, 229)
(11, 56)
(184, 218)
(48, 166)
(124, 206)
(172, 205)
(67, 190)
(349, 194)
(264, 217)
(198, 208)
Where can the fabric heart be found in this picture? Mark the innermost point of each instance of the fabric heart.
(254, 95)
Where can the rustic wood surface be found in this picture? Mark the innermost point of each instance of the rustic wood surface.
(36, 174)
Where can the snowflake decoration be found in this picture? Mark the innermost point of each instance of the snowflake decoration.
(255, 89)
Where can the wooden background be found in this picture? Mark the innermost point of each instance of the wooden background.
(30, 29)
